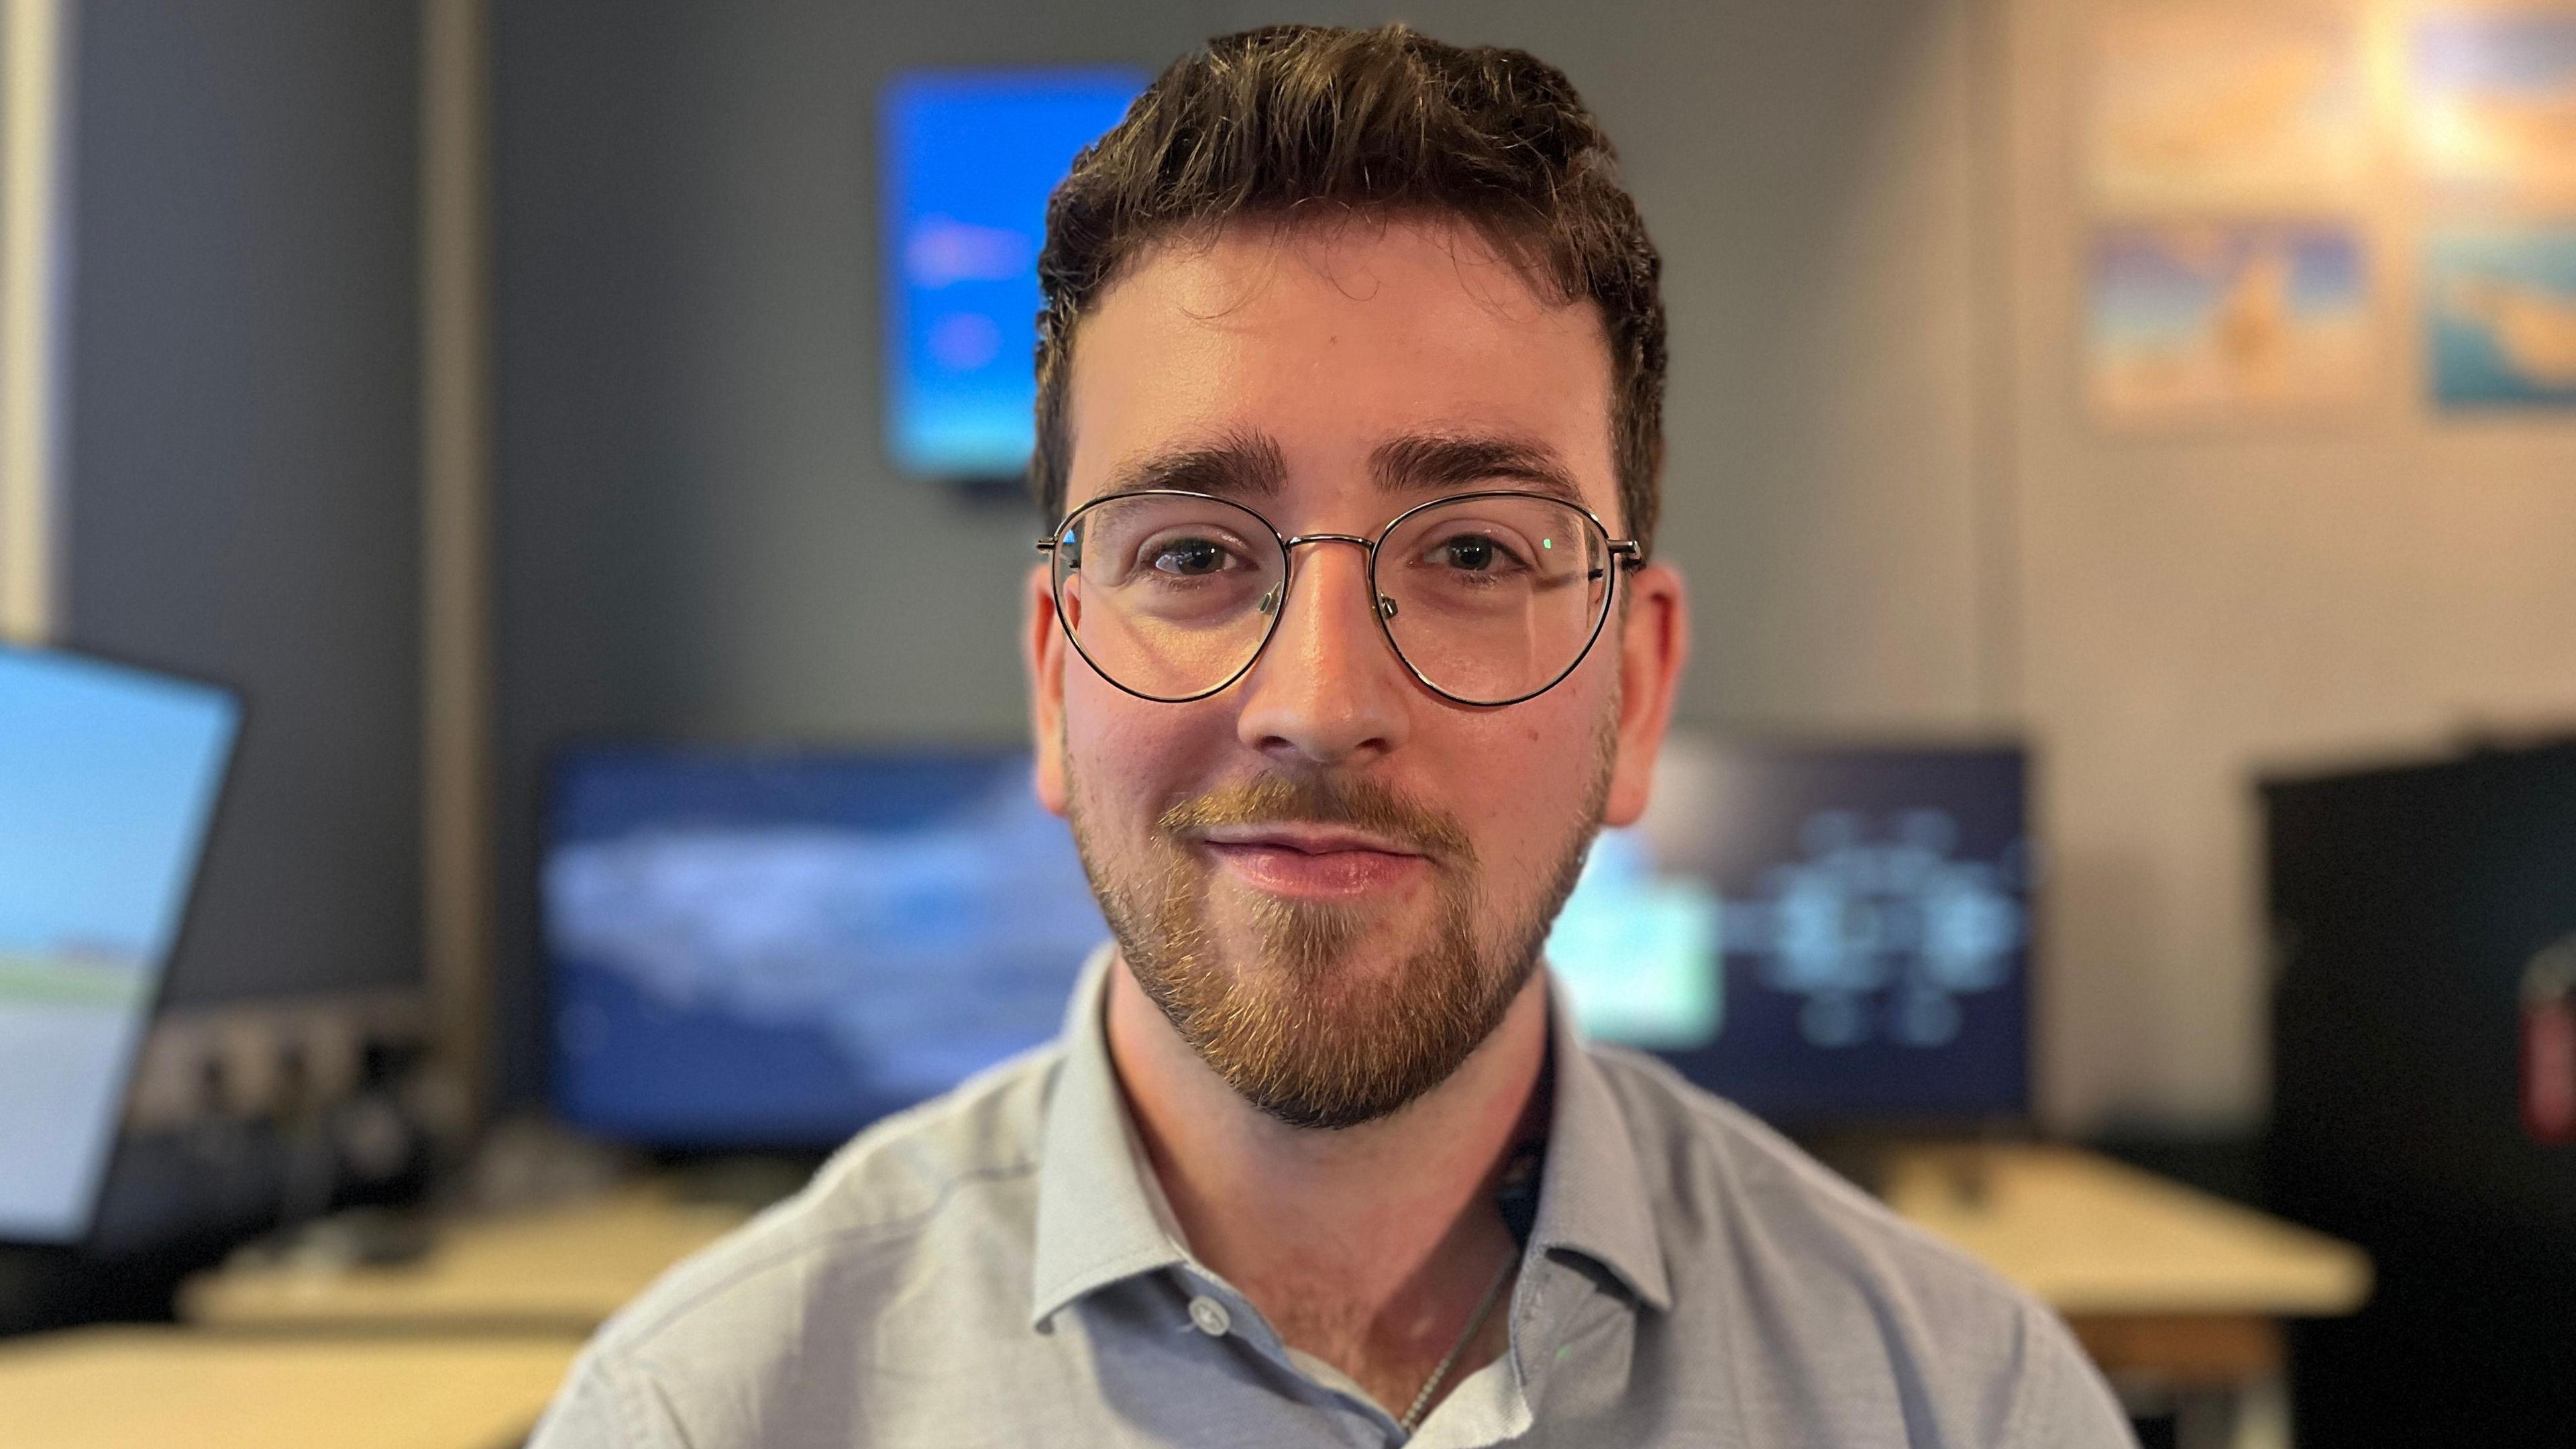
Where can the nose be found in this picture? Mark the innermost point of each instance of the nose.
(1327, 691)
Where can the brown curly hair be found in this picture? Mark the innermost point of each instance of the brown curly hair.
(1289, 120)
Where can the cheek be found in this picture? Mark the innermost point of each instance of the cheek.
(1126, 756)
(1527, 779)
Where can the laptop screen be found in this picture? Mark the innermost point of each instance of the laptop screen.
(108, 778)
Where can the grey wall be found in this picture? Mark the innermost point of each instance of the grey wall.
(1882, 484)
(242, 448)
(699, 536)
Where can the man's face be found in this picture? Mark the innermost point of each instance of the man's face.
(1332, 879)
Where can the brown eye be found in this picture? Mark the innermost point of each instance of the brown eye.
(1190, 556)
(1473, 553)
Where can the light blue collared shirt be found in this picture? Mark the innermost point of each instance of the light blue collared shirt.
(996, 1268)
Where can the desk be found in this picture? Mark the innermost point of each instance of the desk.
(2092, 1238)
(2171, 1291)
(152, 1388)
(561, 1269)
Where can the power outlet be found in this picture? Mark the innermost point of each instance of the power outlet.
(266, 1059)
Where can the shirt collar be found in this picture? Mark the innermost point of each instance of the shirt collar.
(1098, 1222)
(1593, 1196)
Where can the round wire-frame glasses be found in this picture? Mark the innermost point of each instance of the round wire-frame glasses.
(1600, 561)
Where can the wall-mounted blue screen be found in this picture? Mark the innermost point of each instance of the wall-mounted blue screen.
(773, 950)
(108, 778)
(968, 159)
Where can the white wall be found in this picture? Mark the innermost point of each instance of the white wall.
(2199, 607)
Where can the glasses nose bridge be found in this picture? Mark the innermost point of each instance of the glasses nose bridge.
(1367, 546)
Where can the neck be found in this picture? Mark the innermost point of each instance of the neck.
(1369, 1246)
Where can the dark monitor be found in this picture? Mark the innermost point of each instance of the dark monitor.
(968, 159)
(2423, 928)
(1834, 938)
(108, 779)
(758, 950)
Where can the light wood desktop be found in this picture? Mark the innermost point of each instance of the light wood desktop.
(2090, 1237)
(2163, 1284)
(459, 1350)
(560, 1269)
(2094, 1238)
(2177, 1295)
(154, 1388)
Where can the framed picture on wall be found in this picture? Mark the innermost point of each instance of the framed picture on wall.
(2491, 114)
(2225, 320)
(2499, 312)
(2219, 105)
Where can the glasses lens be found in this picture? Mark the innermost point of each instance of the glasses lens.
(1168, 597)
(1493, 599)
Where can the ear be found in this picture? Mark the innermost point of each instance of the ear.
(1654, 644)
(1045, 655)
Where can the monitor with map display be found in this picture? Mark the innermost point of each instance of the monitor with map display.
(764, 950)
(108, 780)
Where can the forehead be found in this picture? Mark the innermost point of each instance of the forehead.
(1331, 344)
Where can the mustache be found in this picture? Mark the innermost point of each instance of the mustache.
(1324, 800)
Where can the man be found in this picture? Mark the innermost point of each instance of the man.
(1346, 642)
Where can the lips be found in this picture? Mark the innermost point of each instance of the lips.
(1308, 839)
(1313, 862)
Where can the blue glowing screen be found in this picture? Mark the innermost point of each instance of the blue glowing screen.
(108, 778)
(969, 158)
(754, 949)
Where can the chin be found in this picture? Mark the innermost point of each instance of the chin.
(1317, 943)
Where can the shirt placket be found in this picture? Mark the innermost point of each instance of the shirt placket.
(1488, 1406)
(1218, 1311)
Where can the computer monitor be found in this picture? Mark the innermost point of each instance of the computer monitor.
(968, 159)
(770, 950)
(108, 779)
(753, 949)
(1835, 938)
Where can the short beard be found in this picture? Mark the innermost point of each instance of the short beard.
(1305, 1041)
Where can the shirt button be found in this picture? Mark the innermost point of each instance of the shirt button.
(1210, 1316)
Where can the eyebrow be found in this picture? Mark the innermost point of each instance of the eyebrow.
(1235, 465)
(1435, 462)
(1251, 464)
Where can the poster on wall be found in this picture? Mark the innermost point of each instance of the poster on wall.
(2226, 105)
(2499, 300)
(2221, 321)
(2493, 114)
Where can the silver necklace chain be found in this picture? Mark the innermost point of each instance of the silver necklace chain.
(1413, 1416)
